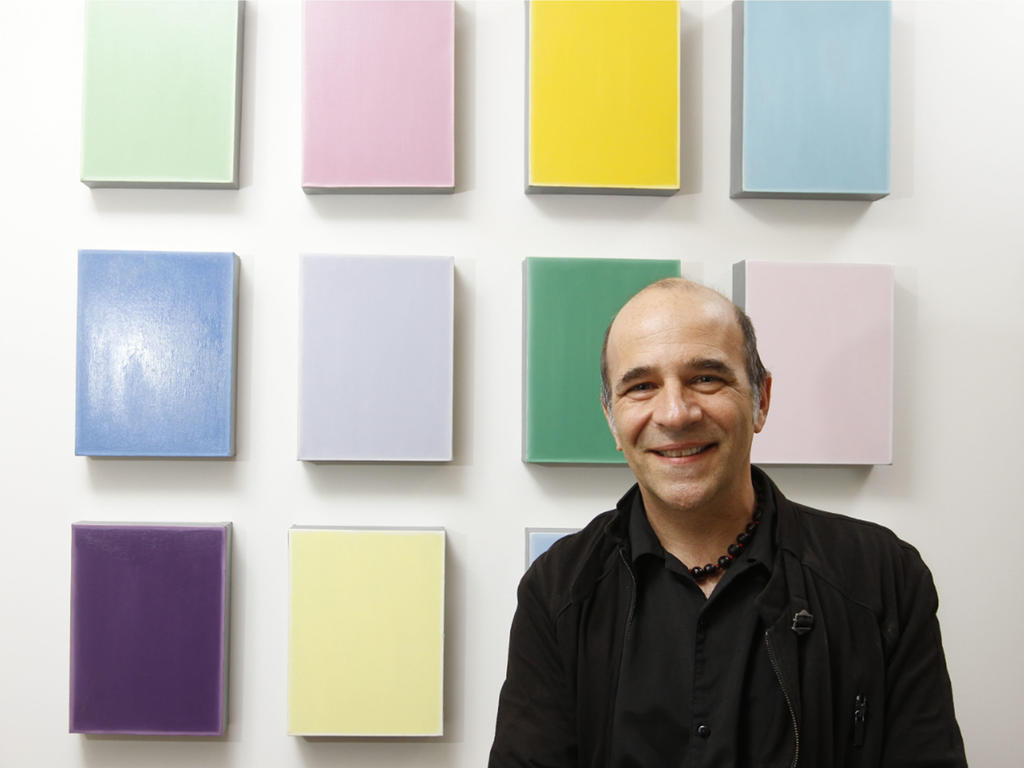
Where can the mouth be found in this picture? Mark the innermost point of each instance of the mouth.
(684, 452)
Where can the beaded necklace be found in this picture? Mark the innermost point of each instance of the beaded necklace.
(700, 573)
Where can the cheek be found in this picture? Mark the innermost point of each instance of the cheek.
(629, 423)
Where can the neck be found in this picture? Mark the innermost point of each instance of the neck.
(700, 535)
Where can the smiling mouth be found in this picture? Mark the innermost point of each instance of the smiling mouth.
(680, 453)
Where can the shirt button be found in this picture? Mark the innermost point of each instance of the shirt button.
(703, 730)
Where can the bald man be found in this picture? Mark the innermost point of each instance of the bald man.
(707, 620)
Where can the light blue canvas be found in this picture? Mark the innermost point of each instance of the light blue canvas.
(156, 353)
(539, 541)
(812, 100)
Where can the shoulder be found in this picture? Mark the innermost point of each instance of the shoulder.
(573, 564)
(865, 561)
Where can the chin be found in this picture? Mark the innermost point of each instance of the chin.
(683, 499)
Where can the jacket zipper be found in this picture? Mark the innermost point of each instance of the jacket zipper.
(860, 715)
(785, 694)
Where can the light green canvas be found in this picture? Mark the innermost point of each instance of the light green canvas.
(161, 93)
(569, 303)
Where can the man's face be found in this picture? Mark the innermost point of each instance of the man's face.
(681, 406)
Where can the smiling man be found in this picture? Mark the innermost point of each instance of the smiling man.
(707, 620)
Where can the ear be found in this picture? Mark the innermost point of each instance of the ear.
(761, 415)
(611, 425)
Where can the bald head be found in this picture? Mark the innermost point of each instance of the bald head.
(689, 290)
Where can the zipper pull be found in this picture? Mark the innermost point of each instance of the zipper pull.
(860, 716)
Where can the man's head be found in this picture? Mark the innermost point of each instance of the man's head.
(756, 372)
(684, 391)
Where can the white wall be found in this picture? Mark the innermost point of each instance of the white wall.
(953, 226)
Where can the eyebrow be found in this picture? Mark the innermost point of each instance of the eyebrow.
(639, 372)
(710, 364)
(696, 363)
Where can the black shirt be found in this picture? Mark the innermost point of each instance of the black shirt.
(696, 687)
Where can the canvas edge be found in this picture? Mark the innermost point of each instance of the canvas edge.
(736, 99)
(525, 360)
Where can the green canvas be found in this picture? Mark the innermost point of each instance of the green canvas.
(569, 303)
(161, 98)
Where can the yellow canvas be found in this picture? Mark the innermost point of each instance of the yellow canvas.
(366, 632)
(604, 95)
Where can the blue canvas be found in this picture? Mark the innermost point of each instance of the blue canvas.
(811, 99)
(156, 353)
(539, 540)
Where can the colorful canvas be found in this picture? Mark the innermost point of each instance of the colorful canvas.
(376, 358)
(366, 632)
(149, 628)
(379, 104)
(162, 93)
(603, 96)
(156, 354)
(811, 99)
(539, 540)
(826, 333)
(569, 304)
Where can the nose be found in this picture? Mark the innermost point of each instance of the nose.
(676, 408)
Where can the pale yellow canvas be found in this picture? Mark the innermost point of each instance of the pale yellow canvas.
(604, 94)
(366, 632)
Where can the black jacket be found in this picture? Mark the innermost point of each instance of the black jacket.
(851, 633)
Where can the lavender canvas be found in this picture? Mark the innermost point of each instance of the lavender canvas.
(149, 628)
(376, 358)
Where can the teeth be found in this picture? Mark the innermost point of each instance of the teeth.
(680, 453)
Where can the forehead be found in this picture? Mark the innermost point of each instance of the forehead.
(661, 326)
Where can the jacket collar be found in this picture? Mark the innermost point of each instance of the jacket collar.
(785, 593)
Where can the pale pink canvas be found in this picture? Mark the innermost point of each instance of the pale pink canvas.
(378, 95)
(826, 333)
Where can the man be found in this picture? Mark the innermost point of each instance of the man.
(708, 620)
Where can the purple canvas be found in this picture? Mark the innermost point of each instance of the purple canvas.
(378, 95)
(149, 628)
(825, 331)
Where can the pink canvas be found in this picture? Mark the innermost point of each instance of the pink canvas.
(378, 97)
(826, 333)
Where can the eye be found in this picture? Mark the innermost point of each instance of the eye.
(707, 382)
(641, 387)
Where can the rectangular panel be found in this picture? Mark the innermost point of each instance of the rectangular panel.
(162, 95)
(378, 95)
(811, 99)
(156, 353)
(539, 540)
(376, 358)
(366, 632)
(825, 331)
(149, 622)
(603, 96)
(569, 304)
